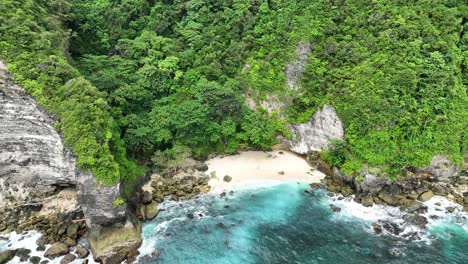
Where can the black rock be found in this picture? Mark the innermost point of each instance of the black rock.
(335, 209)
(40, 248)
(227, 178)
(392, 228)
(416, 219)
(450, 209)
(377, 228)
(23, 253)
(190, 216)
(35, 260)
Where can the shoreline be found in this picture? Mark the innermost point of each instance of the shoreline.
(259, 168)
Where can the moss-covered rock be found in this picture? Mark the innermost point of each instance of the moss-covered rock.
(116, 243)
(426, 196)
(57, 249)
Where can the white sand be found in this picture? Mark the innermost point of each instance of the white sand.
(260, 168)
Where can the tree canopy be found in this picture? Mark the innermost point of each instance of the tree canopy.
(130, 79)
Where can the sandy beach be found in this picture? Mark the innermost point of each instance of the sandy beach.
(260, 168)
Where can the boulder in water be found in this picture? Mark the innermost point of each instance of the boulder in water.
(335, 208)
(450, 209)
(81, 251)
(35, 260)
(151, 210)
(425, 196)
(57, 249)
(367, 200)
(69, 258)
(377, 228)
(395, 252)
(114, 244)
(23, 253)
(6, 256)
(416, 219)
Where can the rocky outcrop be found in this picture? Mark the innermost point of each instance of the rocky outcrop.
(439, 178)
(440, 168)
(115, 235)
(187, 182)
(97, 202)
(114, 244)
(315, 135)
(33, 160)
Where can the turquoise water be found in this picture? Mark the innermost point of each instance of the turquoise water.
(282, 224)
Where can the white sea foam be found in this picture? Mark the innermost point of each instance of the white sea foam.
(28, 240)
(352, 209)
(437, 206)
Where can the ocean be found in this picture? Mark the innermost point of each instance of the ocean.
(281, 223)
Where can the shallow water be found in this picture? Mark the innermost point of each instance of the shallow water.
(282, 224)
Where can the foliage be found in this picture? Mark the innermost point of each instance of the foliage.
(335, 156)
(171, 159)
(118, 202)
(33, 44)
(146, 77)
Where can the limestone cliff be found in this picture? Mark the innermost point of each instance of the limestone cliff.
(323, 126)
(35, 165)
(315, 134)
(33, 160)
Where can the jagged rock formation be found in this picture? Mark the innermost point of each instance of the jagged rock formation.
(33, 160)
(97, 202)
(315, 135)
(115, 234)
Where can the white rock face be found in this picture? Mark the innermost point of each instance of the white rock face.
(317, 133)
(33, 160)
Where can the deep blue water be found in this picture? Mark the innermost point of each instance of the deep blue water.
(282, 224)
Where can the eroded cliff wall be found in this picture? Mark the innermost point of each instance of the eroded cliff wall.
(33, 160)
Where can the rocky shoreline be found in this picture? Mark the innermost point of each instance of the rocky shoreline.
(407, 193)
(185, 183)
(65, 229)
